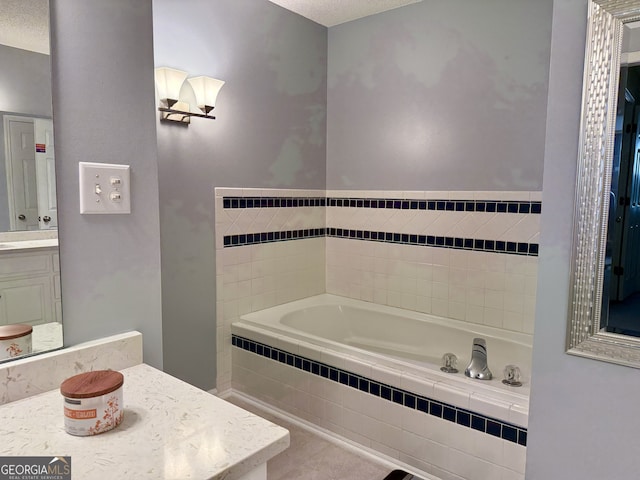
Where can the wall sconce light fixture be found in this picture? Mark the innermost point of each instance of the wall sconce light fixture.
(169, 82)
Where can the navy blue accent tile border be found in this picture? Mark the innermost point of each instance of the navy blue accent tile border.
(273, 202)
(270, 237)
(494, 246)
(492, 206)
(460, 416)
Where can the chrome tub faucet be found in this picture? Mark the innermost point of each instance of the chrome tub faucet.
(478, 367)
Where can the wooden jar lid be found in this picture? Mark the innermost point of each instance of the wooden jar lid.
(91, 384)
(17, 330)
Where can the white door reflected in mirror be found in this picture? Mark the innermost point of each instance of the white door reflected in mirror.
(45, 174)
(30, 170)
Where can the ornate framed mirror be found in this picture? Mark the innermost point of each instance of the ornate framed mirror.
(588, 334)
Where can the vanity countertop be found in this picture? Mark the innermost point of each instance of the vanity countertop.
(19, 245)
(171, 430)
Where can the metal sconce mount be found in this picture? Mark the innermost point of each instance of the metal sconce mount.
(180, 113)
(169, 82)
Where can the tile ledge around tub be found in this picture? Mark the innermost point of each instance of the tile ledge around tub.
(487, 424)
(437, 389)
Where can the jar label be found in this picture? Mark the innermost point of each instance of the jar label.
(80, 414)
(93, 415)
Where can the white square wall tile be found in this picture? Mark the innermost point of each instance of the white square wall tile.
(413, 445)
(511, 475)
(470, 467)
(487, 195)
(462, 438)
(514, 457)
(519, 415)
(535, 196)
(460, 195)
(416, 384)
(391, 436)
(516, 196)
(488, 447)
(414, 195)
(436, 194)
(228, 192)
(451, 395)
(357, 367)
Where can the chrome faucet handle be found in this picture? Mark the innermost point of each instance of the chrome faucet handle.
(478, 367)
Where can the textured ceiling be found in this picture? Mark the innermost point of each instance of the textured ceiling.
(25, 24)
(334, 12)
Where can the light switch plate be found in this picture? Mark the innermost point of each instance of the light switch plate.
(104, 188)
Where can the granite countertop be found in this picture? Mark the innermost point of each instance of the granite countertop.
(171, 430)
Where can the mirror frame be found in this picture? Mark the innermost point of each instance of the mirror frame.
(597, 129)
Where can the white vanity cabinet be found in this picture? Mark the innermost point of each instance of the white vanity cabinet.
(29, 285)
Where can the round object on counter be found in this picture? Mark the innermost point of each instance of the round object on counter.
(15, 340)
(92, 402)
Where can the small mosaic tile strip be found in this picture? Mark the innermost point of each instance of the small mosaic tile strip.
(492, 206)
(273, 202)
(270, 237)
(495, 246)
(460, 416)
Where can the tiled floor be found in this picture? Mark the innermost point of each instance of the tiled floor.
(311, 457)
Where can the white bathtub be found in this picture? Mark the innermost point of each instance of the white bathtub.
(371, 374)
(407, 342)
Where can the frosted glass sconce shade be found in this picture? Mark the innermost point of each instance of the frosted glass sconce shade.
(169, 82)
(206, 90)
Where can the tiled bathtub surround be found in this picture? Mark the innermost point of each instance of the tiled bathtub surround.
(432, 427)
(244, 211)
(274, 254)
(400, 396)
(471, 256)
(506, 216)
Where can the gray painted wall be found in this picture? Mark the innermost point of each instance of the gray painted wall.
(25, 82)
(269, 132)
(583, 420)
(440, 95)
(102, 70)
(25, 88)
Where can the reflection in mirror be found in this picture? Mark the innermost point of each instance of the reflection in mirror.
(621, 283)
(29, 261)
